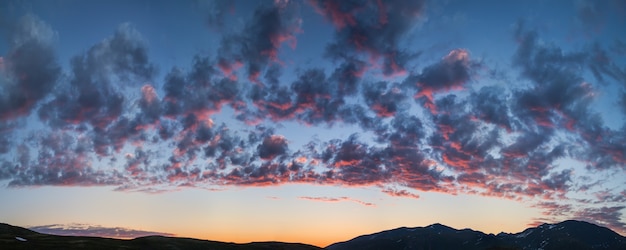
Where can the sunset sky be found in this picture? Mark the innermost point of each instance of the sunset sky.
(310, 121)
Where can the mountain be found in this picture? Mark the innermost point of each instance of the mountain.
(569, 234)
(12, 237)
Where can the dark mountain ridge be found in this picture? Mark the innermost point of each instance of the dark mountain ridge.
(569, 234)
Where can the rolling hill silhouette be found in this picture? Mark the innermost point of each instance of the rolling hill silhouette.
(12, 237)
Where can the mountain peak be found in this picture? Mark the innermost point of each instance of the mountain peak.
(440, 227)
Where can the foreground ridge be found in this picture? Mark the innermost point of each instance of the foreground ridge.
(12, 237)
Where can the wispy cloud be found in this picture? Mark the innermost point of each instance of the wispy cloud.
(337, 199)
(94, 230)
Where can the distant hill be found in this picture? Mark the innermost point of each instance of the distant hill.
(569, 235)
(12, 237)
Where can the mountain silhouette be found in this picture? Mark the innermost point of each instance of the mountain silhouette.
(568, 235)
(12, 237)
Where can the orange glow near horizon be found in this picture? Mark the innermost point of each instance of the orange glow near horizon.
(227, 215)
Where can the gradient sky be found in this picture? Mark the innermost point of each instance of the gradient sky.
(310, 121)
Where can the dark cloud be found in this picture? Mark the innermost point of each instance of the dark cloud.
(347, 76)
(191, 99)
(461, 140)
(606, 151)
(451, 73)
(559, 181)
(200, 91)
(371, 28)
(312, 99)
(311, 96)
(348, 153)
(138, 162)
(560, 96)
(94, 231)
(61, 160)
(260, 40)
(524, 145)
(317, 99)
(603, 65)
(93, 95)
(490, 105)
(275, 101)
(383, 100)
(150, 105)
(272, 146)
(357, 114)
(557, 87)
(30, 71)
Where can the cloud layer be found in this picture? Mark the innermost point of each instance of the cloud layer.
(109, 119)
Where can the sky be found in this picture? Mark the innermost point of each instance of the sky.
(310, 121)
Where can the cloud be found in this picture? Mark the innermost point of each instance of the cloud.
(554, 209)
(93, 95)
(6, 129)
(200, 91)
(258, 43)
(62, 161)
(560, 96)
(450, 73)
(400, 193)
(150, 105)
(155, 135)
(94, 231)
(311, 99)
(336, 199)
(384, 101)
(373, 29)
(347, 76)
(30, 71)
(272, 146)
(609, 216)
(490, 105)
(608, 196)
(558, 90)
